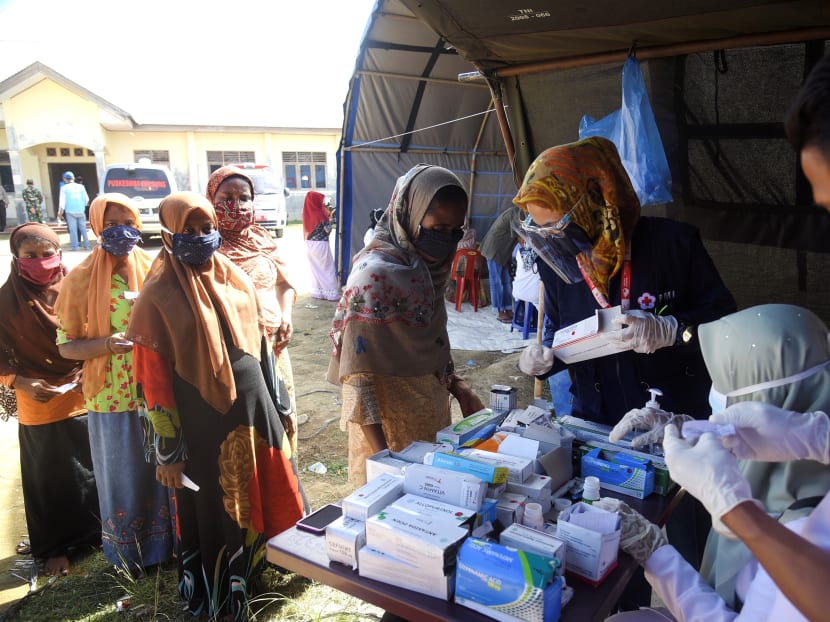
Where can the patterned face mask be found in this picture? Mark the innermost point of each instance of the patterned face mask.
(118, 241)
(233, 214)
(195, 249)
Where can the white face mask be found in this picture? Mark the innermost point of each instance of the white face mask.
(718, 401)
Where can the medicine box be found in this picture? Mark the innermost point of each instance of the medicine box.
(503, 397)
(450, 487)
(379, 566)
(588, 339)
(419, 539)
(507, 584)
(415, 451)
(373, 496)
(536, 488)
(663, 483)
(510, 508)
(344, 538)
(534, 541)
(518, 468)
(521, 418)
(421, 505)
(462, 431)
(383, 462)
(463, 464)
(592, 541)
(620, 472)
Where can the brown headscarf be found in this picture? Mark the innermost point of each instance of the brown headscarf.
(587, 174)
(83, 304)
(392, 318)
(253, 248)
(217, 293)
(28, 329)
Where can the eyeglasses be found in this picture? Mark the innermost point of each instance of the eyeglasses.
(551, 229)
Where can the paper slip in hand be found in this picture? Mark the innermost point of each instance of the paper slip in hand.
(64, 388)
(189, 483)
(600, 522)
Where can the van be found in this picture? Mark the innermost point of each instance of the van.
(269, 196)
(146, 184)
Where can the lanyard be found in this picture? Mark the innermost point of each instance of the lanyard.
(625, 287)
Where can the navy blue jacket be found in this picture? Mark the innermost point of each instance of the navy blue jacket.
(669, 267)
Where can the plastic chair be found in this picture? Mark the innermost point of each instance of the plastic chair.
(467, 267)
(529, 319)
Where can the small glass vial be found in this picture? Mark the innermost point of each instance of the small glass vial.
(590, 489)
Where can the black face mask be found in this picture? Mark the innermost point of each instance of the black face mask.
(437, 244)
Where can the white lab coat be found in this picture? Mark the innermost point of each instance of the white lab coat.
(689, 598)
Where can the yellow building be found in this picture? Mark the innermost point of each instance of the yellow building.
(51, 124)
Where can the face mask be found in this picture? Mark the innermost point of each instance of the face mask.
(195, 249)
(40, 270)
(437, 244)
(719, 401)
(233, 214)
(118, 241)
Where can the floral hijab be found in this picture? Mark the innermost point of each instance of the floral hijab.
(589, 177)
(756, 345)
(391, 319)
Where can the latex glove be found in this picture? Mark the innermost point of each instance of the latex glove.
(536, 359)
(709, 472)
(639, 537)
(645, 332)
(770, 434)
(654, 420)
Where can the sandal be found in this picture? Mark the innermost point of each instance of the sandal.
(23, 547)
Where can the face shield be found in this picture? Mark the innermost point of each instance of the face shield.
(558, 243)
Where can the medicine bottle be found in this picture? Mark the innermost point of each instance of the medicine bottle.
(590, 489)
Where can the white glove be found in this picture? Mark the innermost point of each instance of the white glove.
(767, 433)
(639, 537)
(709, 472)
(645, 332)
(652, 419)
(536, 360)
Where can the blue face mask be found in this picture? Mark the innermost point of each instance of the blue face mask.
(119, 240)
(195, 249)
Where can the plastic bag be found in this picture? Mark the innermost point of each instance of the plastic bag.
(633, 130)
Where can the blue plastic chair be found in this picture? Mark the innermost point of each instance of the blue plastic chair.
(528, 321)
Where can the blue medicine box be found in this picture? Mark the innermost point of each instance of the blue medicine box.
(620, 472)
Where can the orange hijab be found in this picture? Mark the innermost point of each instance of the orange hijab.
(588, 173)
(182, 309)
(83, 305)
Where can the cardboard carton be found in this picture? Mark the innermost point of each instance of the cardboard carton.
(344, 538)
(383, 462)
(373, 496)
(589, 338)
(459, 433)
(387, 569)
(620, 472)
(593, 539)
(450, 487)
(534, 541)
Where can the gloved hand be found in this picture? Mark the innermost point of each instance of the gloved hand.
(709, 472)
(770, 434)
(652, 419)
(536, 359)
(639, 537)
(645, 332)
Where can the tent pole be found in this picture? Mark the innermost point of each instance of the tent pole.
(662, 51)
(498, 103)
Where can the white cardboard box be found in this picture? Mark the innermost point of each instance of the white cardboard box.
(421, 505)
(450, 487)
(539, 542)
(518, 468)
(344, 538)
(387, 569)
(588, 339)
(510, 508)
(383, 462)
(373, 496)
(593, 544)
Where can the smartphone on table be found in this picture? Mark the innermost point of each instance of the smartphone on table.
(317, 521)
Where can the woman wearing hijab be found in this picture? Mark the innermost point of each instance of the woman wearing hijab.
(93, 309)
(777, 354)
(316, 230)
(392, 351)
(252, 248)
(212, 416)
(59, 492)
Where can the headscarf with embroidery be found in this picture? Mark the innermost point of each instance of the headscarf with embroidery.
(217, 294)
(250, 246)
(83, 304)
(27, 332)
(761, 344)
(315, 212)
(589, 177)
(392, 319)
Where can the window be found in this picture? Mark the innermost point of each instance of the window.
(218, 159)
(304, 169)
(158, 156)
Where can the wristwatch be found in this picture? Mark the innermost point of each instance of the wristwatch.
(685, 333)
